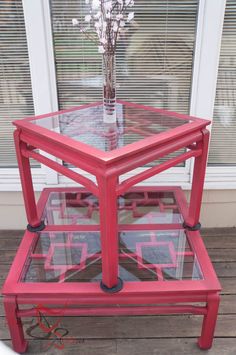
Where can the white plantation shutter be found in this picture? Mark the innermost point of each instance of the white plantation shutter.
(154, 58)
(223, 138)
(15, 85)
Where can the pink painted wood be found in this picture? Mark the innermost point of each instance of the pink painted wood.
(15, 325)
(107, 167)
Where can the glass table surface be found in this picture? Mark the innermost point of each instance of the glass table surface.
(143, 256)
(134, 123)
(134, 207)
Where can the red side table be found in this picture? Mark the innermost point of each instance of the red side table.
(116, 248)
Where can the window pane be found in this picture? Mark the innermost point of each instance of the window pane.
(154, 57)
(15, 84)
(223, 142)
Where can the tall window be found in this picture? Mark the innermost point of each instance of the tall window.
(15, 85)
(154, 57)
(223, 138)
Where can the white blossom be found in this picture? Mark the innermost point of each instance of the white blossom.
(98, 24)
(103, 40)
(129, 3)
(119, 17)
(108, 5)
(101, 49)
(75, 22)
(87, 18)
(95, 4)
(130, 16)
(115, 27)
(98, 15)
(105, 21)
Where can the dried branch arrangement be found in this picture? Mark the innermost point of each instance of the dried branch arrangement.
(105, 20)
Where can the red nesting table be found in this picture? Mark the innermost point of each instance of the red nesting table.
(116, 248)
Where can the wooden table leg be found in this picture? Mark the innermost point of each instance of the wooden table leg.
(192, 221)
(209, 322)
(27, 186)
(14, 323)
(109, 234)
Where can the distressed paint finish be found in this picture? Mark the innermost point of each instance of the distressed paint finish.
(107, 167)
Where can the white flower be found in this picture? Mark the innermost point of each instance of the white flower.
(98, 24)
(120, 1)
(108, 5)
(129, 3)
(130, 16)
(75, 22)
(122, 23)
(108, 15)
(95, 4)
(115, 27)
(87, 18)
(103, 40)
(86, 2)
(97, 15)
(101, 49)
(119, 17)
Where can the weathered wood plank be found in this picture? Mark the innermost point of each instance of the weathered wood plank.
(7, 256)
(179, 346)
(6, 233)
(228, 285)
(227, 305)
(11, 243)
(137, 327)
(173, 346)
(225, 269)
(73, 347)
(224, 242)
(222, 255)
(216, 232)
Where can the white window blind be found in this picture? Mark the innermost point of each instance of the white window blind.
(154, 58)
(15, 85)
(223, 139)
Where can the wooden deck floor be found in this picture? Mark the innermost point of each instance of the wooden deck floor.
(140, 335)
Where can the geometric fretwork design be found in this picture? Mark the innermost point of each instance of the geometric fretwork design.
(59, 256)
(144, 256)
(158, 255)
(139, 207)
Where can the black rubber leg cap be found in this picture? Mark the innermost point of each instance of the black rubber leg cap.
(113, 289)
(38, 228)
(197, 227)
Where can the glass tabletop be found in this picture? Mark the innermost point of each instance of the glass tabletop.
(143, 256)
(133, 207)
(134, 123)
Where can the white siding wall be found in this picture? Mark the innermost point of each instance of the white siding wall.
(218, 209)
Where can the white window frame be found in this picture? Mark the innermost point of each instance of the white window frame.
(206, 64)
(44, 88)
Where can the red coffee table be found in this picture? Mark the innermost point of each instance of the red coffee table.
(117, 248)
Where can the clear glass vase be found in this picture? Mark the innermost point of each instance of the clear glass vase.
(109, 88)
